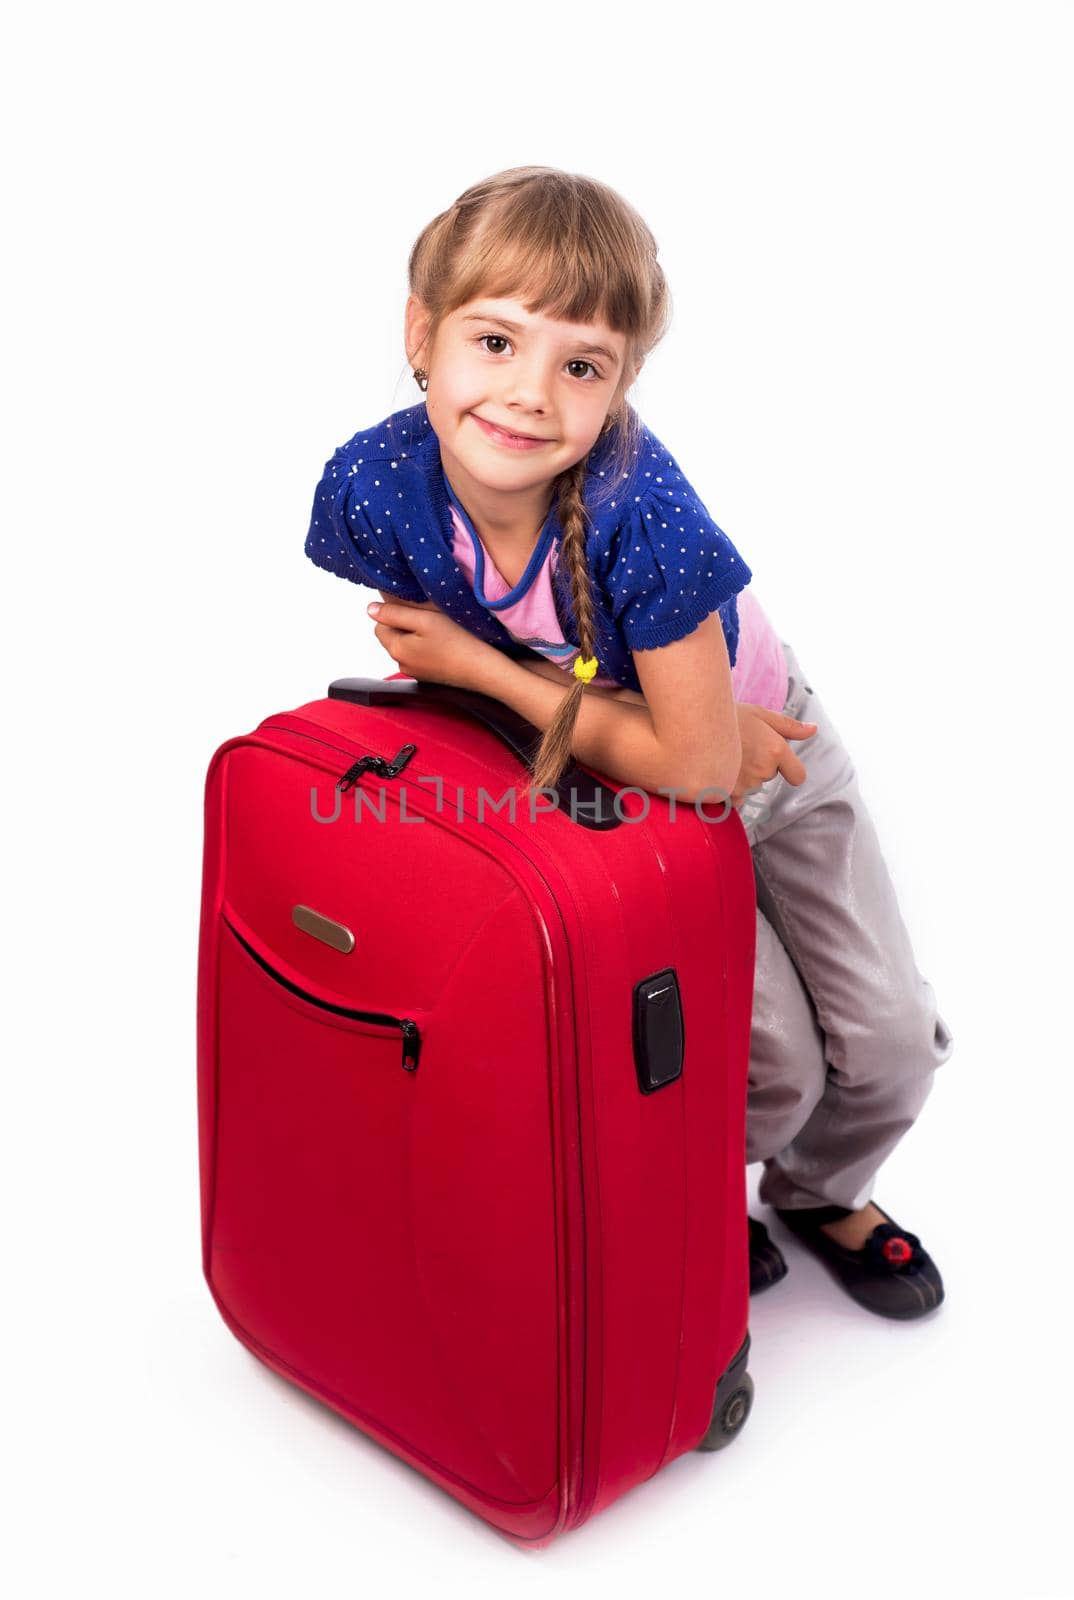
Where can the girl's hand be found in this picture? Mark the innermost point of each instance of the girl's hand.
(765, 750)
(424, 642)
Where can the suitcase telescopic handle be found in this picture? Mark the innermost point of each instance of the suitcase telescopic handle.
(585, 799)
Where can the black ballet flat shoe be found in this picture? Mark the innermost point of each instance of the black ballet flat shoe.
(891, 1274)
(767, 1265)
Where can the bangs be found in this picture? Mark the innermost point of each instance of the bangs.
(554, 261)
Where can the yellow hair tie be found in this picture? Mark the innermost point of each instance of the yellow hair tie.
(585, 669)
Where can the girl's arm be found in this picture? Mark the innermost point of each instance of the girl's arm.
(682, 735)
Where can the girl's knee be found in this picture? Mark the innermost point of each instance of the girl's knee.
(902, 1045)
(777, 1108)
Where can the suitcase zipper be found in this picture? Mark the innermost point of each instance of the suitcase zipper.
(377, 764)
(367, 763)
(410, 1030)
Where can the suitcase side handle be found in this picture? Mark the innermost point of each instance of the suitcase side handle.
(587, 800)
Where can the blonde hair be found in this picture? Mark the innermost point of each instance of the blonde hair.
(574, 249)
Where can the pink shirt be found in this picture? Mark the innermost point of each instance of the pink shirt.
(531, 619)
(758, 676)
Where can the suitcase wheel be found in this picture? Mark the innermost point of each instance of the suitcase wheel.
(729, 1414)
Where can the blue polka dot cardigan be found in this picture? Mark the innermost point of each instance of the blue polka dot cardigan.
(658, 562)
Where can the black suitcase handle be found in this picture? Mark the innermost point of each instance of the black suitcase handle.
(585, 798)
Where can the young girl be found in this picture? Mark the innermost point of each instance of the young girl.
(531, 539)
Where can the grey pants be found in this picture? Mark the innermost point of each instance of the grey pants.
(846, 1035)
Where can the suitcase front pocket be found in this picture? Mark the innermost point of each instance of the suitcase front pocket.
(407, 1026)
(310, 1100)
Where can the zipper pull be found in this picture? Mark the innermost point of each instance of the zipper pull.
(411, 1044)
(395, 767)
(377, 764)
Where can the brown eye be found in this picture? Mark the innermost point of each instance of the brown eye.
(482, 337)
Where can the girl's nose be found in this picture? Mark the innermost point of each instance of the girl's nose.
(528, 390)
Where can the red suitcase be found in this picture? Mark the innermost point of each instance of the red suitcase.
(472, 1097)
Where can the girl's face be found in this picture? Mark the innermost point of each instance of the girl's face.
(497, 371)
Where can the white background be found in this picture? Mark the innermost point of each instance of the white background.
(864, 215)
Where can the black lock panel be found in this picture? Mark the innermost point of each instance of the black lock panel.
(658, 1030)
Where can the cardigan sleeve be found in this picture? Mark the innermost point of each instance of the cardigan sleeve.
(671, 565)
(344, 539)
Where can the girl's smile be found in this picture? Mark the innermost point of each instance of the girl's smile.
(505, 437)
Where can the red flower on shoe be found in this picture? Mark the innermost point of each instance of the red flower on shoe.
(892, 1249)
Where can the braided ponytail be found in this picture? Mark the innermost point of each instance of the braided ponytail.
(553, 753)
